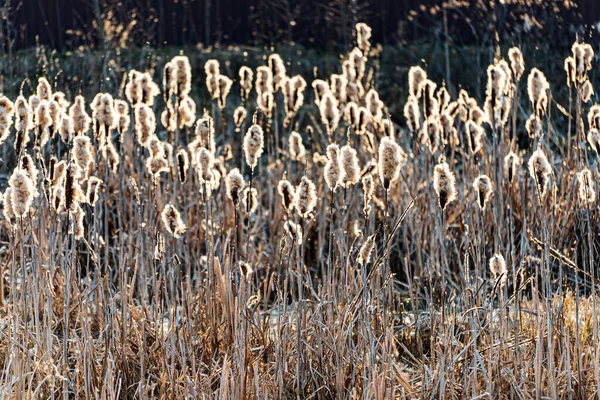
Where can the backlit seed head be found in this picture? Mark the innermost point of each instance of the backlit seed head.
(234, 185)
(171, 220)
(444, 184)
(253, 145)
(391, 159)
(483, 188)
(540, 170)
(306, 197)
(586, 186)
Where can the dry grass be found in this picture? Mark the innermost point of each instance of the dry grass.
(218, 295)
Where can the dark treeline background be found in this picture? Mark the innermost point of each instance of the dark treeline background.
(65, 24)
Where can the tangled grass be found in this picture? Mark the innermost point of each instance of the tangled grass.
(298, 244)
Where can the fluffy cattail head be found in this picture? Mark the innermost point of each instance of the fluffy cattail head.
(533, 126)
(286, 191)
(253, 145)
(412, 114)
(571, 71)
(145, 123)
(351, 115)
(44, 90)
(540, 170)
(81, 119)
(169, 80)
(133, 88)
(586, 186)
(234, 185)
(498, 268)
(329, 112)
(511, 163)
(92, 190)
(321, 88)
(368, 191)
(483, 188)
(306, 197)
(350, 168)
(296, 148)
(184, 75)
(444, 184)
(204, 165)
(246, 77)
(212, 67)
(593, 138)
(82, 151)
(172, 221)
(432, 133)
(278, 71)
(537, 87)
(516, 62)
(333, 167)
(416, 76)
(239, 116)
(224, 88)
(364, 254)
(587, 90)
(391, 159)
(264, 80)
(475, 136)
(250, 200)
(363, 34)
(21, 191)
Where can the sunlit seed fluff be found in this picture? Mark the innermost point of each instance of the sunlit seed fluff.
(145, 123)
(287, 192)
(333, 168)
(364, 119)
(234, 184)
(224, 88)
(6, 113)
(351, 114)
(239, 116)
(184, 75)
(366, 250)
(81, 119)
(250, 200)
(21, 191)
(475, 135)
(511, 162)
(350, 168)
(172, 221)
(338, 87)
(156, 166)
(264, 80)
(34, 102)
(329, 112)
(205, 132)
(586, 186)
(182, 165)
(357, 60)
(483, 189)
(593, 138)
(444, 184)
(533, 126)
(363, 34)
(278, 70)
(73, 195)
(77, 228)
(412, 114)
(204, 165)
(368, 191)
(306, 197)
(320, 88)
(82, 151)
(432, 134)
(133, 88)
(56, 113)
(44, 90)
(516, 62)
(537, 85)
(430, 104)
(416, 76)
(169, 80)
(186, 113)
(60, 170)
(391, 159)
(92, 190)
(149, 88)
(28, 165)
(498, 268)
(571, 71)
(265, 102)
(540, 170)
(253, 145)
(296, 148)
(594, 117)
(103, 112)
(587, 91)
(246, 78)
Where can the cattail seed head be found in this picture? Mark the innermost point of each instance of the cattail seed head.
(444, 184)
(234, 185)
(412, 114)
(44, 90)
(321, 88)
(484, 189)
(586, 186)
(246, 77)
(533, 126)
(239, 116)
(133, 88)
(29, 167)
(204, 165)
(286, 191)
(184, 75)
(82, 151)
(333, 167)
(81, 119)
(329, 112)
(593, 138)
(278, 71)
(250, 200)
(224, 84)
(253, 145)
(7, 211)
(364, 254)
(391, 159)
(145, 123)
(264, 81)
(571, 71)
(516, 62)
(306, 197)
(77, 228)
(171, 220)
(537, 87)
(296, 148)
(21, 192)
(540, 170)
(350, 168)
(498, 268)
(368, 191)
(511, 162)
(363, 34)
(92, 190)
(475, 136)
(587, 90)
(416, 76)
